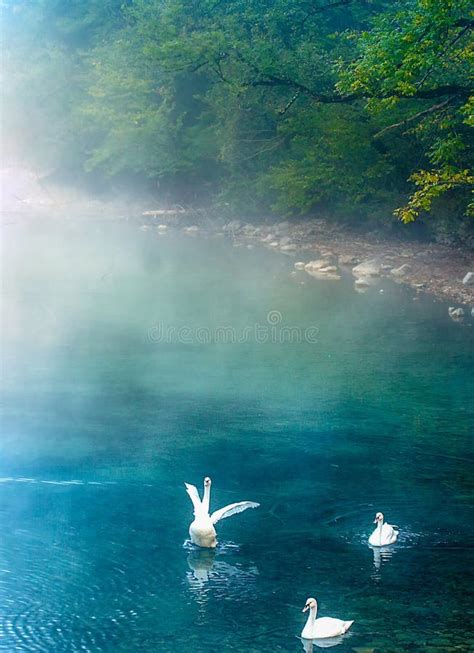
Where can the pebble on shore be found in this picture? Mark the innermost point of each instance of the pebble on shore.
(318, 264)
(401, 271)
(370, 268)
(455, 313)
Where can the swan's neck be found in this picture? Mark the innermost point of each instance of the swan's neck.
(311, 619)
(379, 530)
(206, 499)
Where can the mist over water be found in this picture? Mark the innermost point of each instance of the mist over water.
(104, 418)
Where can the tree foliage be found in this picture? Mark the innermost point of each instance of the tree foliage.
(281, 104)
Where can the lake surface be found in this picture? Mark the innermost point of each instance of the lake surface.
(133, 363)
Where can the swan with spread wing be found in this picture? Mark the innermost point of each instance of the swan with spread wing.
(202, 531)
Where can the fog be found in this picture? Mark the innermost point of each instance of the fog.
(187, 191)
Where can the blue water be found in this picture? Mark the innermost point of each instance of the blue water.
(108, 407)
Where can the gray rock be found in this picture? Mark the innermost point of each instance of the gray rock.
(321, 270)
(193, 229)
(299, 265)
(348, 259)
(362, 282)
(274, 243)
(234, 225)
(369, 268)
(286, 240)
(455, 313)
(316, 265)
(291, 247)
(401, 271)
(162, 227)
(468, 279)
(386, 268)
(326, 276)
(328, 269)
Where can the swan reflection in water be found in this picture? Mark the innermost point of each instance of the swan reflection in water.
(310, 645)
(381, 554)
(207, 571)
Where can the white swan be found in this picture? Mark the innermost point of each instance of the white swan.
(384, 533)
(202, 531)
(324, 626)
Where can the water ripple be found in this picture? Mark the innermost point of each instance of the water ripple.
(53, 599)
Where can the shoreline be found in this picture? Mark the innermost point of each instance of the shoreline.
(426, 267)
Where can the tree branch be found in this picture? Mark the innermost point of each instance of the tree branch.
(332, 5)
(421, 94)
(290, 103)
(314, 11)
(288, 83)
(453, 89)
(420, 114)
(443, 52)
(465, 22)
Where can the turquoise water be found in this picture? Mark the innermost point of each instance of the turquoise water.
(108, 408)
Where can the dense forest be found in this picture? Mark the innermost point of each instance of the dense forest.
(355, 108)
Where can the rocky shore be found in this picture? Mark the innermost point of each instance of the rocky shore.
(325, 251)
(320, 248)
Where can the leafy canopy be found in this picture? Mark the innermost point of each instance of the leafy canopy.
(296, 104)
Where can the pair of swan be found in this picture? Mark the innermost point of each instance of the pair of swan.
(203, 534)
(326, 627)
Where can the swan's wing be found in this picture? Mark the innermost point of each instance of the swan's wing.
(390, 535)
(232, 509)
(389, 531)
(194, 496)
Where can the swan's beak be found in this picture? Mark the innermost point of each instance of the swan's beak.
(376, 521)
(306, 607)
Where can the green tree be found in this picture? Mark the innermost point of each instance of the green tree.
(414, 65)
(295, 104)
